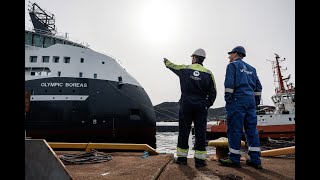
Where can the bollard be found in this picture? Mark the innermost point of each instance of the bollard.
(222, 147)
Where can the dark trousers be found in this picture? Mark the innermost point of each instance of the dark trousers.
(241, 114)
(196, 112)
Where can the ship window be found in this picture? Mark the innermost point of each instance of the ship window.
(47, 41)
(80, 74)
(134, 111)
(33, 59)
(66, 59)
(56, 59)
(290, 119)
(45, 59)
(28, 38)
(37, 40)
(59, 41)
(82, 60)
(135, 114)
(59, 73)
(33, 73)
(102, 62)
(95, 76)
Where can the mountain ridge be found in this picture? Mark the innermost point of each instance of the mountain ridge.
(169, 111)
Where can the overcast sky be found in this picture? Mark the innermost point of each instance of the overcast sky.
(140, 33)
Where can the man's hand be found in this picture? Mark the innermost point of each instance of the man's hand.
(165, 60)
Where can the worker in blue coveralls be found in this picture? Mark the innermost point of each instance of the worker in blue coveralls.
(242, 96)
(198, 93)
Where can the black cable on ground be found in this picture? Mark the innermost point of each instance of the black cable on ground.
(85, 158)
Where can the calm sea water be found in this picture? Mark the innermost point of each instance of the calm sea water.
(167, 143)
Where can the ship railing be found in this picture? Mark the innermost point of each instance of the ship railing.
(61, 35)
(66, 37)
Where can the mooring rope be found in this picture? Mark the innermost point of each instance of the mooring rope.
(85, 158)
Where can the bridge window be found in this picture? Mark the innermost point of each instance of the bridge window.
(82, 60)
(37, 40)
(28, 38)
(290, 119)
(45, 59)
(59, 41)
(55, 59)
(47, 41)
(33, 59)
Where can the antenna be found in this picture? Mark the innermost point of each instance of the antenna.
(277, 74)
(43, 21)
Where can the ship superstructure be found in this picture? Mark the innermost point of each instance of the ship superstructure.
(75, 94)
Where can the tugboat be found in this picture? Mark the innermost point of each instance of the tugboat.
(75, 94)
(275, 122)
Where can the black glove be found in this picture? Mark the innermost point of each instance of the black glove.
(257, 98)
(165, 60)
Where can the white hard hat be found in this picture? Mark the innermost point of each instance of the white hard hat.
(199, 52)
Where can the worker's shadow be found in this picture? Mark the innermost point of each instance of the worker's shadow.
(188, 171)
(255, 174)
(259, 174)
(208, 171)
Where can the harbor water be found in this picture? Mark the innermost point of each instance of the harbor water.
(167, 143)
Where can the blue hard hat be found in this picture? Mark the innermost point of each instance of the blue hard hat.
(238, 49)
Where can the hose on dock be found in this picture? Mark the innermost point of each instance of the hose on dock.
(85, 158)
(279, 151)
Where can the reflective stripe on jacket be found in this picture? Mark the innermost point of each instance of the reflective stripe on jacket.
(241, 80)
(195, 81)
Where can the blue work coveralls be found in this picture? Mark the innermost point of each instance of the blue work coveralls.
(242, 95)
(198, 93)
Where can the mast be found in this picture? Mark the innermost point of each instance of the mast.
(43, 21)
(281, 88)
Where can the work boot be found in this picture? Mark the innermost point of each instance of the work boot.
(228, 162)
(200, 162)
(257, 166)
(181, 161)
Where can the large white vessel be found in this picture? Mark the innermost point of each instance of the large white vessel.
(75, 94)
(278, 121)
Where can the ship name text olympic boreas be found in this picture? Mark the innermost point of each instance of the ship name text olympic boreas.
(59, 84)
